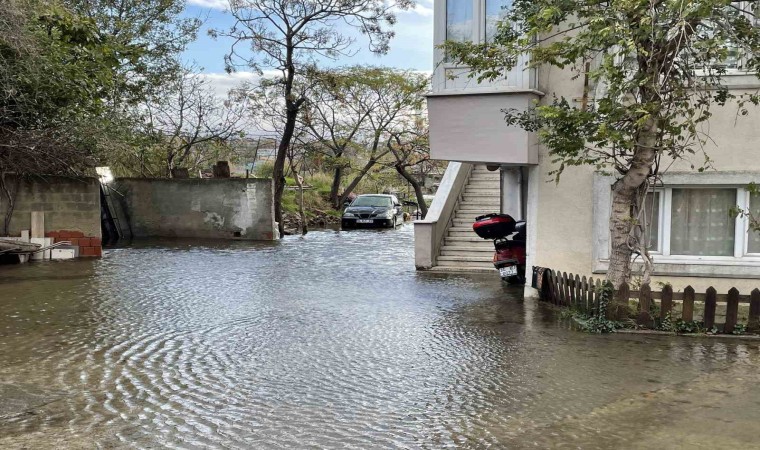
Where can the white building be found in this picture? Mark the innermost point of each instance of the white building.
(696, 242)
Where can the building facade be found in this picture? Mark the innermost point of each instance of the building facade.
(695, 240)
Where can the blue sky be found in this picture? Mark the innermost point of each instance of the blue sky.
(412, 48)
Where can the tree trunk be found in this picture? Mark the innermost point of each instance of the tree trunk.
(624, 194)
(355, 182)
(417, 189)
(278, 171)
(335, 188)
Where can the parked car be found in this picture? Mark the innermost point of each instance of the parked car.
(373, 210)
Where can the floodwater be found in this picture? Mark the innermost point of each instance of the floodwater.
(335, 341)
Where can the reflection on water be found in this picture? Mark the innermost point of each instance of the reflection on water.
(323, 341)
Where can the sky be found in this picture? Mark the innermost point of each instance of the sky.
(411, 48)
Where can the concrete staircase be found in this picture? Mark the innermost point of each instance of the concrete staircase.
(462, 249)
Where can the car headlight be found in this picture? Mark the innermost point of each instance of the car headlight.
(348, 214)
(389, 214)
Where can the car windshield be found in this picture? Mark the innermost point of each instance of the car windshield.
(372, 200)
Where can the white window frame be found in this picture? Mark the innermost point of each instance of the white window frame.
(741, 265)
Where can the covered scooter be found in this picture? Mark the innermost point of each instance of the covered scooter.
(509, 236)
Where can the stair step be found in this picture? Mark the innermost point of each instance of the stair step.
(465, 259)
(461, 233)
(474, 190)
(448, 250)
(469, 240)
(480, 264)
(461, 269)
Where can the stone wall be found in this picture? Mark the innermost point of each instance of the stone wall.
(228, 208)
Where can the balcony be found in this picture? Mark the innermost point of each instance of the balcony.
(468, 125)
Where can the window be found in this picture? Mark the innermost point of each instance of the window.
(696, 221)
(753, 237)
(459, 24)
(496, 10)
(652, 219)
(691, 231)
(700, 222)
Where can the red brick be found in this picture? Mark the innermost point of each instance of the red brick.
(70, 234)
(51, 234)
(96, 242)
(98, 250)
(86, 251)
(84, 242)
(74, 241)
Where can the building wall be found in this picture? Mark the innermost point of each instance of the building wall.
(198, 208)
(71, 208)
(565, 212)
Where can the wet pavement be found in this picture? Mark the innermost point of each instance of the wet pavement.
(335, 341)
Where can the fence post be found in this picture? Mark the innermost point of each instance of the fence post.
(618, 307)
(584, 294)
(565, 290)
(687, 314)
(578, 298)
(753, 324)
(570, 290)
(597, 289)
(645, 299)
(732, 310)
(710, 301)
(666, 302)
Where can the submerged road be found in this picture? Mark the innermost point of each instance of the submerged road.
(335, 341)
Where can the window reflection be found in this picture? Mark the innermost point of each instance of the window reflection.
(496, 11)
(459, 20)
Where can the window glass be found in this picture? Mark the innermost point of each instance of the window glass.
(652, 219)
(496, 10)
(372, 200)
(753, 239)
(701, 223)
(459, 20)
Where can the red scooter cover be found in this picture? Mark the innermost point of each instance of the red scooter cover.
(494, 226)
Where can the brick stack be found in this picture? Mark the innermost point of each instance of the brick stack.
(88, 245)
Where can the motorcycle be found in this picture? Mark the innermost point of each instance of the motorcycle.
(509, 236)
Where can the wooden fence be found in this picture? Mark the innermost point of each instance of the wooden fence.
(570, 290)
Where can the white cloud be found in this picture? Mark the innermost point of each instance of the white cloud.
(422, 8)
(214, 4)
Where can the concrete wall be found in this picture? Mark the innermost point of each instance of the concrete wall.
(69, 204)
(198, 208)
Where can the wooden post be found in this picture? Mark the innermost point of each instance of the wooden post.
(617, 309)
(732, 310)
(710, 303)
(584, 296)
(38, 224)
(565, 289)
(666, 302)
(753, 323)
(578, 301)
(645, 299)
(597, 287)
(687, 313)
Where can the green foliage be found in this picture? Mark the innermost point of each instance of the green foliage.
(264, 170)
(682, 326)
(740, 328)
(666, 324)
(599, 323)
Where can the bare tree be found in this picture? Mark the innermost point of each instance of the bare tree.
(412, 149)
(185, 116)
(394, 99)
(288, 36)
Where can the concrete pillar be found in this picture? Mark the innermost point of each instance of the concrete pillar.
(513, 192)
